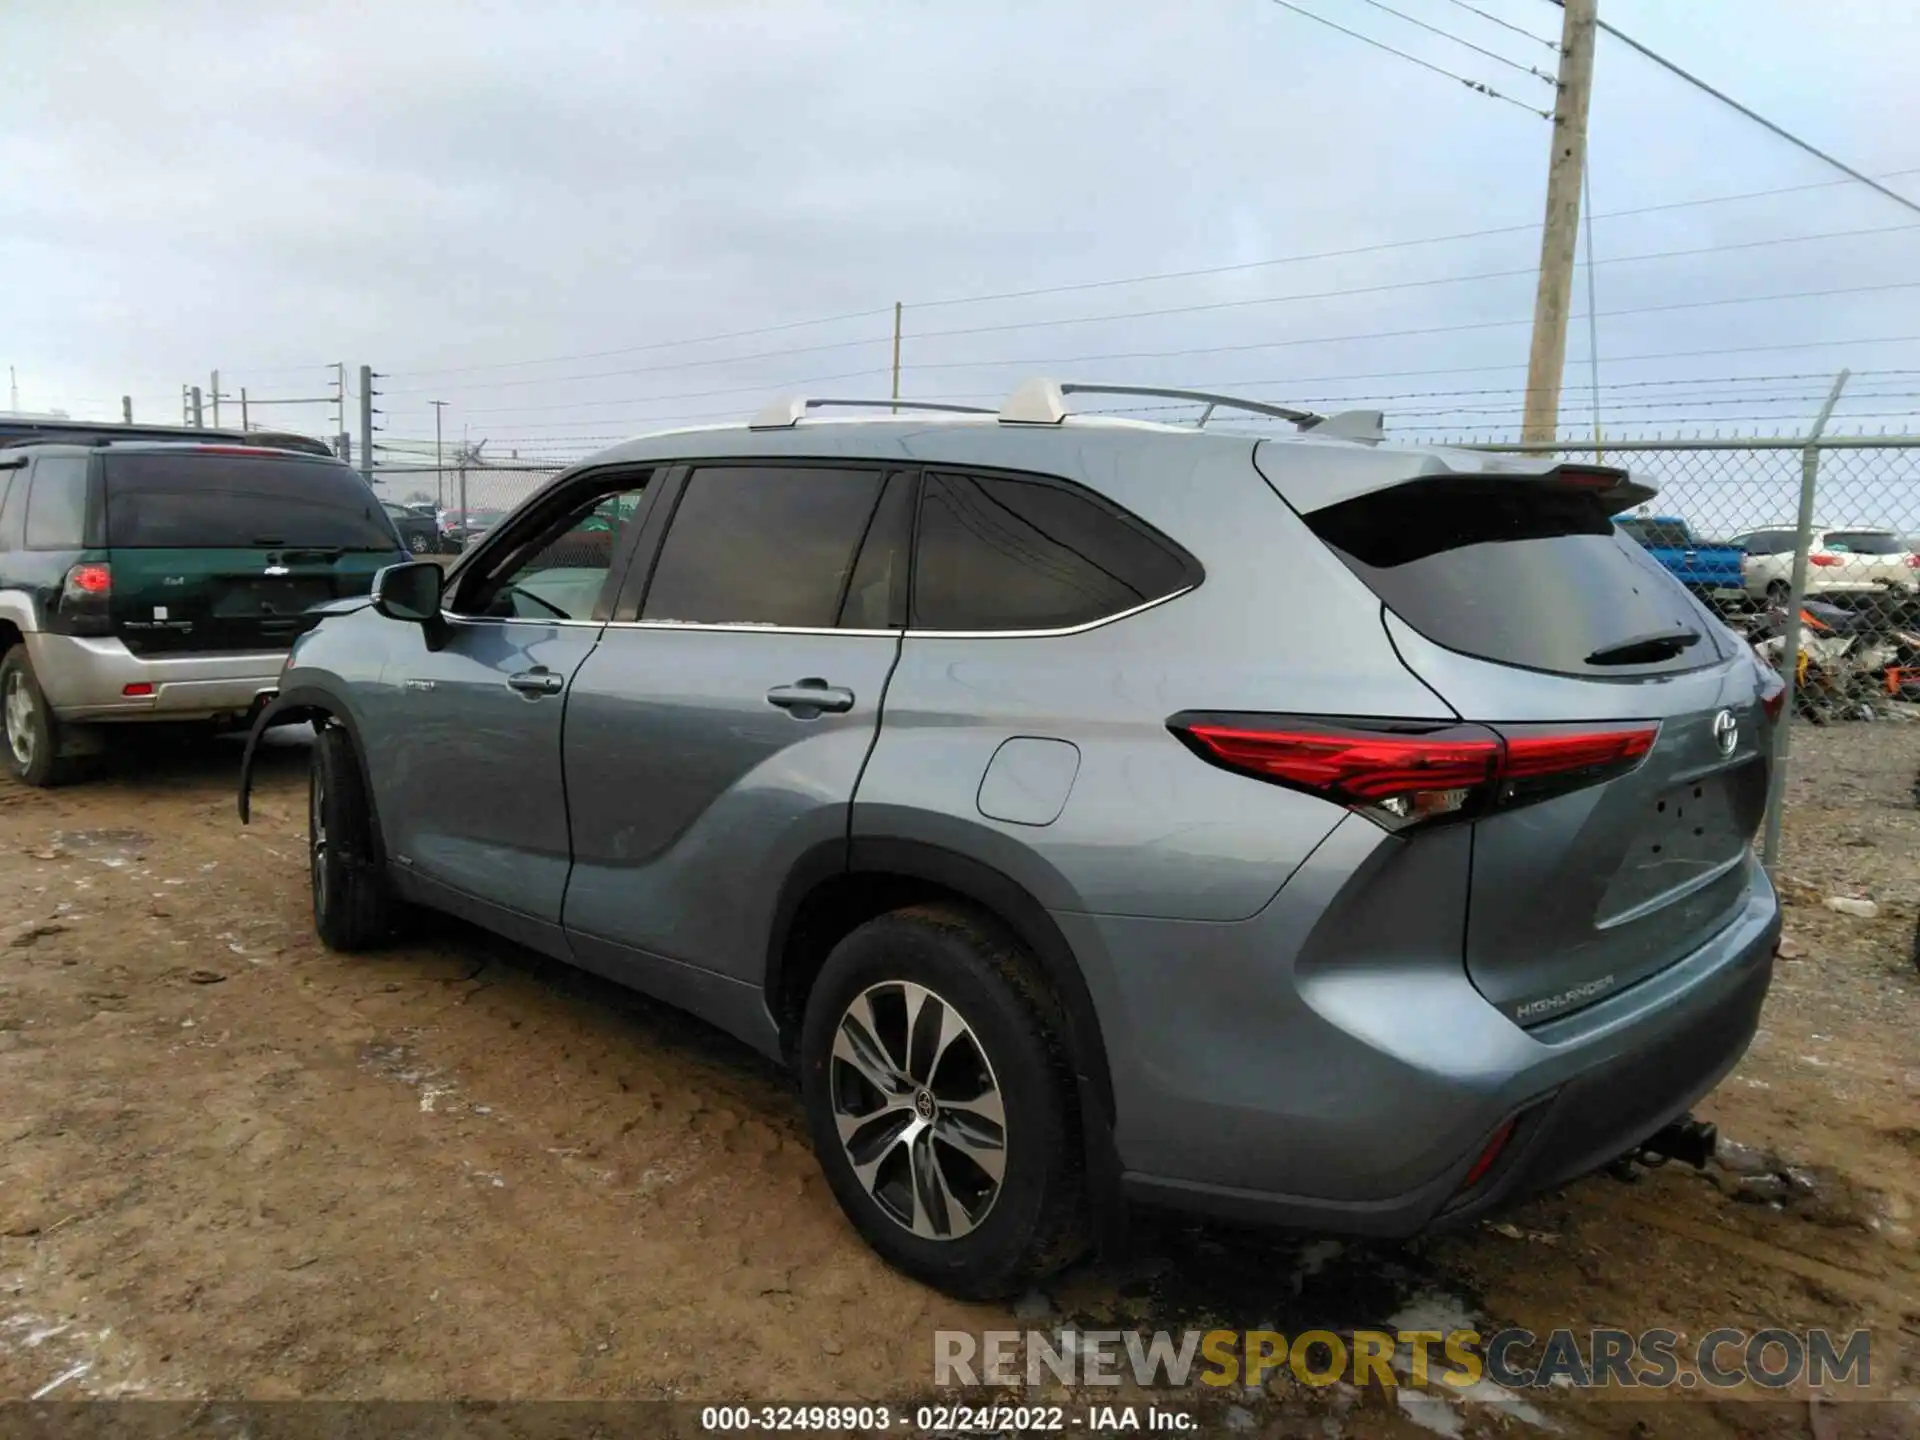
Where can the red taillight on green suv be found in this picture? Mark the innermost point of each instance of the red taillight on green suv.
(85, 597)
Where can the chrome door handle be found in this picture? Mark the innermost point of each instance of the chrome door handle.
(806, 699)
(537, 681)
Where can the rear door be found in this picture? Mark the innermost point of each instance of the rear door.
(715, 736)
(1636, 743)
(228, 549)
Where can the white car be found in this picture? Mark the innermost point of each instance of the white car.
(1839, 562)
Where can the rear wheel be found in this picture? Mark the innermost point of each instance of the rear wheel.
(941, 1104)
(352, 909)
(1778, 592)
(33, 735)
(419, 544)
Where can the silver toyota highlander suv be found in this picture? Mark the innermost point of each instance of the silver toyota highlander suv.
(1290, 827)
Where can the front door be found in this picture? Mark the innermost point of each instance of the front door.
(716, 734)
(474, 798)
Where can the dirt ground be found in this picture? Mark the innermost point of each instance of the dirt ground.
(233, 1165)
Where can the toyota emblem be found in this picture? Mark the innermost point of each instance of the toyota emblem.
(1726, 732)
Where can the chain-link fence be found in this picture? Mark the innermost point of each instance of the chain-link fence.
(1765, 530)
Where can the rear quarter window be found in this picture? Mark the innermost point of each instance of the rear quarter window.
(210, 501)
(1523, 573)
(1001, 554)
(57, 503)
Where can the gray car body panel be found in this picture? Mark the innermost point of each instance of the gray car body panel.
(1298, 1015)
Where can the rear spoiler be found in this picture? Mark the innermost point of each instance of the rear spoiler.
(1308, 481)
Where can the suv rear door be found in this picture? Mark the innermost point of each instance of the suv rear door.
(715, 735)
(229, 547)
(1525, 610)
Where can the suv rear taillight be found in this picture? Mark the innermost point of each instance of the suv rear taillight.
(1773, 692)
(1404, 773)
(1822, 559)
(84, 598)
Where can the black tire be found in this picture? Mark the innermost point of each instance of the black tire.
(1036, 1221)
(1779, 592)
(352, 907)
(31, 734)
(419, 544)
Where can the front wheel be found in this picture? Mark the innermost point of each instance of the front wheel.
(941, 1104)
(351, 906)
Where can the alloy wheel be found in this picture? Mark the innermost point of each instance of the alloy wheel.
(19, 719)
(918, 1110)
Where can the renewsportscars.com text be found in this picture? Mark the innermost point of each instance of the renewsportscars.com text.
(1723, 1359)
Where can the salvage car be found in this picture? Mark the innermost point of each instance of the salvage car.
(979, 766)
(163, 581)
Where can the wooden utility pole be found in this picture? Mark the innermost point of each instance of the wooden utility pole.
(1566, 167)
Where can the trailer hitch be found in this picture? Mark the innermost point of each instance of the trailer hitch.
(1690, 1141)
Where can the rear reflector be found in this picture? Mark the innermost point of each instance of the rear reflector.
(1401, 773)
(138, 690)
(1825, 560)
(1487, 1156)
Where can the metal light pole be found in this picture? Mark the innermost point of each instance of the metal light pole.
(439, 457)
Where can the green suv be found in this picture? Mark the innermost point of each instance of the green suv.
(163, 581)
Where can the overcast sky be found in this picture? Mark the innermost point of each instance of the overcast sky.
(443, 191)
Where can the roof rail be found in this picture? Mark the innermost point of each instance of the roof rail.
(791, 409)
(1042, 401)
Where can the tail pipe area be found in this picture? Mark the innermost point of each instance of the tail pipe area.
(1690, 1141)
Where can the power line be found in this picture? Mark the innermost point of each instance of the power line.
(1404, 334)
(1449, 35)
(1478, 85)
(1507, 25)
(1753, 115)
(1131, 315)
(1398, 284)
(1377, 247)
(657, 345)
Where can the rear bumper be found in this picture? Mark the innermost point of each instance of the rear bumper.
(86, 678)
(1357, 1098)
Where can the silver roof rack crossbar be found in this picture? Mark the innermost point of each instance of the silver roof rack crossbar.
(1041, 401)
(791, 409)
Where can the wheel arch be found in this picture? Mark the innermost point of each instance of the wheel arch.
(839, 885)
(322, 706)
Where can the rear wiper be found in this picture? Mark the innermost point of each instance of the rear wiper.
(1645, 649)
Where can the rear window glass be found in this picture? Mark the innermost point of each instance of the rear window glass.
(1522, 573)
(202, 501)
(1865, 542)
(1659, 534)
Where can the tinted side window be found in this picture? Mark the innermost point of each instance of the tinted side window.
(762, 545)
(1001, 554)
(57, 503)
(877, 592)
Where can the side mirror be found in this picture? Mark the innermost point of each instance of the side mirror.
(410, 592)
